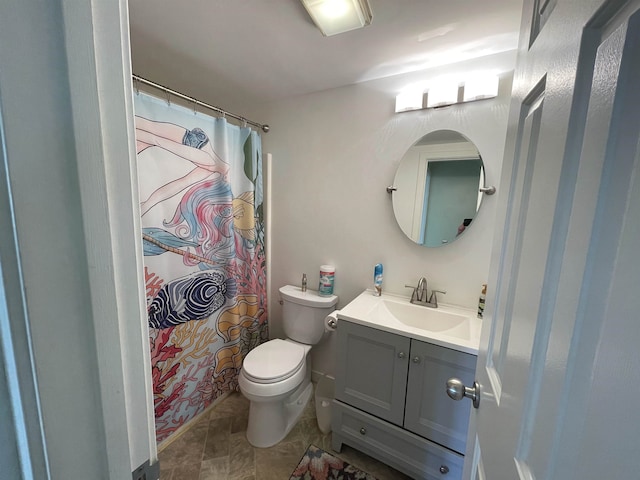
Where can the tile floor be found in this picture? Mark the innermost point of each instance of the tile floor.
(216, 448)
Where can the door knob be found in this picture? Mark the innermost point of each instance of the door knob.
(457, 391)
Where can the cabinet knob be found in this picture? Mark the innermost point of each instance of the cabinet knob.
(444, 469)
(416, 359)
(401, 355)
(363, 431)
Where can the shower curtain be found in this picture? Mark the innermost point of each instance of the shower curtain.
(200, 183)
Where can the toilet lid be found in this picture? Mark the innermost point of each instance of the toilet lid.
(273, 361)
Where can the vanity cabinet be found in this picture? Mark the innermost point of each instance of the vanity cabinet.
(391, 401)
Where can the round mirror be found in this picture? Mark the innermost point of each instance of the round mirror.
(437, 188)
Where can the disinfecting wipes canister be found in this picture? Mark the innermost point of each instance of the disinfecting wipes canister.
(327, 276)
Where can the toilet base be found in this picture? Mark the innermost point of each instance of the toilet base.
(270, 422)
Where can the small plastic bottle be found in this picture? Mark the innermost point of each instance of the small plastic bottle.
(481, 300)
(377, 280)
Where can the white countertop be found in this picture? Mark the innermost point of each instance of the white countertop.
(366, 310)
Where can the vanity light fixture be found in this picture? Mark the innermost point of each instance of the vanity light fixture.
(409, 100)
(338, 16)
(481, 87)
(441, 94)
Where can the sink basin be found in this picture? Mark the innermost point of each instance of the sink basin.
(449, 326)
(425, 318)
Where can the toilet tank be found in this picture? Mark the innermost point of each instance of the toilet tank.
(303, 313)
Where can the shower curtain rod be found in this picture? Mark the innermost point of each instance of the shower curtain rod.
(168, 91)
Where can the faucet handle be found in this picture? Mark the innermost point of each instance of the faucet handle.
(434, 298)
(414, 293)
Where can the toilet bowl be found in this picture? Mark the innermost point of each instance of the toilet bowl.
(276, 402)
(276, 376)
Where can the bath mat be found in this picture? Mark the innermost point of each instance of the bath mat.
(316, 464)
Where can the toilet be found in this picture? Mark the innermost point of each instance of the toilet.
(276, 376)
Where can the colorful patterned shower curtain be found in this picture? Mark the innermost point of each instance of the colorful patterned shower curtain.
(200, 187)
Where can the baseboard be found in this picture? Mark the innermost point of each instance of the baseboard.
(185, 427)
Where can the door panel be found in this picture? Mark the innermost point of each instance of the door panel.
(541, 12)
(520, 189)
(556, 333)
(549, 367)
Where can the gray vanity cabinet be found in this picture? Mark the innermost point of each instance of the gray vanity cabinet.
(391, 401)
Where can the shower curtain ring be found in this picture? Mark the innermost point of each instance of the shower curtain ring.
(168, 97)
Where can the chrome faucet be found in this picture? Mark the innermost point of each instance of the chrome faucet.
(420, 296)
(421, 290)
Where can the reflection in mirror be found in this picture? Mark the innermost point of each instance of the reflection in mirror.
(437, 188)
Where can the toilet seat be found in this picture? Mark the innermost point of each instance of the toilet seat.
(274, 361)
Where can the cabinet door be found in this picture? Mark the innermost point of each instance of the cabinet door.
(429, 411)
(372, 370)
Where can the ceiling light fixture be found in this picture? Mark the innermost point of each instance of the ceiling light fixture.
(338, 16)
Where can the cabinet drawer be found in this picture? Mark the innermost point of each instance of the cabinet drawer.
(394, 446)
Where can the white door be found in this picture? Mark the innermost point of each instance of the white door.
(76, 396)
(559, 368)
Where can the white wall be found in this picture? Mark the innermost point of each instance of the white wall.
(334, 152)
